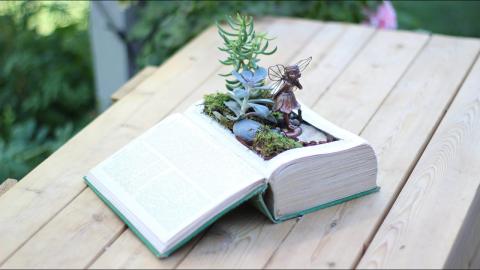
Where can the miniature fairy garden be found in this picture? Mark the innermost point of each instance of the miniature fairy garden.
(263, 115)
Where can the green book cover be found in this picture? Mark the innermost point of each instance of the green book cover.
(256, 197)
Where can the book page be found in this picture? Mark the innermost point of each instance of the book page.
(226, 137)
(174, 174)
(267, 167)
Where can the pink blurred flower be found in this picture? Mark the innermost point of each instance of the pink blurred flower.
(384, 17)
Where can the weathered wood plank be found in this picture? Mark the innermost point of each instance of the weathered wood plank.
(58, 180)
(122, 134)
(6, 185)
(133, 83)
(336, 237)
(242, 236)
(142, 259)
(432, 211)
(475, 262)
(47, 247)
(227, 253)
(129, 252)
(361, 93)
(466, 248)
(332, 50)
(243, 239)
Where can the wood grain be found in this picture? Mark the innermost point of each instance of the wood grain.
(337, 237)
(47, 249)
(332, 50)
(56, 222)
(430, 219)
(53, 184)
(133, 83)
(475, 261)
(283, 26)
(226, 253)
(368, 80)
(129, 252)
(7, 185)
(121, 134)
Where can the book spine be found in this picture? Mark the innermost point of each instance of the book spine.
(259, 203)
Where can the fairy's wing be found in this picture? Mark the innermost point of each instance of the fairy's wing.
(275, 86)
(275, 73)
(302, 64)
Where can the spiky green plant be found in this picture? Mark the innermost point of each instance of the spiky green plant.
(243, 46)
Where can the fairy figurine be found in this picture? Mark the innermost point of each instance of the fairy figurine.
(284, 98)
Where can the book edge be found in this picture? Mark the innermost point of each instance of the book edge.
(260, 204)
(123, 218)
(257, 191)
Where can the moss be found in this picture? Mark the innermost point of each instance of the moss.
(277, 115)
(226, 123)
(270, 143)
(216, 103)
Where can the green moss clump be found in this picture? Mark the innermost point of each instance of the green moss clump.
(277, 115)
(270, 143)
(216, 103)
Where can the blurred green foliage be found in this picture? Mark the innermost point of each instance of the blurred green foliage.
(46, 84)
(458, 18)
(176, 22)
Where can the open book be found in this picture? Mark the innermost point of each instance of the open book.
(185, 172)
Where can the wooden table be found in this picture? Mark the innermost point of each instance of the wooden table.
(415, 97)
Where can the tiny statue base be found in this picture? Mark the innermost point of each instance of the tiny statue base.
(293, 132)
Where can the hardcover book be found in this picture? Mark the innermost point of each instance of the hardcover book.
(181, 175)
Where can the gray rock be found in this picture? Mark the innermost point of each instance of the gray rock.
(246, 129)
(311, 133)
(295, 122)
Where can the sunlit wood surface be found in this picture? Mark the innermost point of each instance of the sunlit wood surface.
(414, 96)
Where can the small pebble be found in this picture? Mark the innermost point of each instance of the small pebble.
(295, 122)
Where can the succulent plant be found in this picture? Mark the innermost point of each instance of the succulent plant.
(251, 80)
(244, 101)
(243, 46)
